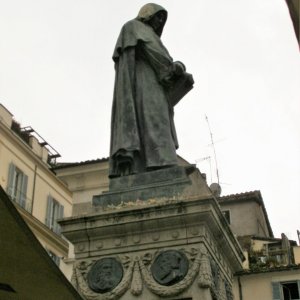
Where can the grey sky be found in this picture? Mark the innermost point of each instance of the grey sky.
(56, 74)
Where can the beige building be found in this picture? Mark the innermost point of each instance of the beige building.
(246, 214)
(272, 266)
(84, 180)
(26, 176)
(44, 191)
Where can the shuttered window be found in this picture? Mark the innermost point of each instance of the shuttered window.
(276, 289)
(54, 212)
(17, 186)
(289, 290)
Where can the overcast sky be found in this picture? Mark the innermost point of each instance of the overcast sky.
(56, 75)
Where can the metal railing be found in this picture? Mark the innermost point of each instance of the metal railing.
(21, 200)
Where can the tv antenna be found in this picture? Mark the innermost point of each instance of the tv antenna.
(213, 146)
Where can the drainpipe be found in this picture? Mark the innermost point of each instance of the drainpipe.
(33, 188)
(240, 288)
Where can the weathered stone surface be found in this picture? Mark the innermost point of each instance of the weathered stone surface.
(105, 275)
(137, 233)
(170, 267)
(167, 175)
(169, 183)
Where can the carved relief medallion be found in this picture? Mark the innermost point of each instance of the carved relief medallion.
(105, 275)
(170, 267)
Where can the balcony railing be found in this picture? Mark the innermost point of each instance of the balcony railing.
(22, 201)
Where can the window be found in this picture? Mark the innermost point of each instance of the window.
(289, 290)
(54, 212)
(226, 214)
(17, 187)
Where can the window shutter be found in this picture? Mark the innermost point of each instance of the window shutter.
(276, 287)
(49, 212)
(60, 211)
(24, 191)
(60, 215)
(10, 181)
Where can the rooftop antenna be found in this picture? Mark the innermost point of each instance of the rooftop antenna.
(213, 145)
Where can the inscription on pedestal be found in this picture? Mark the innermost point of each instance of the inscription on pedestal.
(170, 267)
(105, 275)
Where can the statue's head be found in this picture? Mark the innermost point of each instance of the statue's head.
(154, 15)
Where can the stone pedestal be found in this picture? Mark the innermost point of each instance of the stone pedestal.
(153, 239)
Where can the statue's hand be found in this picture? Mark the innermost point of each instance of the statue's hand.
(178, 68)
(175, 70)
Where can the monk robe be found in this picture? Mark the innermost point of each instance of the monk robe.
(143, 136)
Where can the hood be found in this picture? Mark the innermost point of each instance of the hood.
(148, 11)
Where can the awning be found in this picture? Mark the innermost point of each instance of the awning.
(26, 270)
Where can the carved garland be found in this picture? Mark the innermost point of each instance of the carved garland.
(137, 272)
(205, 277)
(136, 284)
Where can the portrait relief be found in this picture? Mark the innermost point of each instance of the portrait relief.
(105, 275)
(170, 267)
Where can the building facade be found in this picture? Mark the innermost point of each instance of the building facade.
(26, 176)
(44, 191)
(272, 266)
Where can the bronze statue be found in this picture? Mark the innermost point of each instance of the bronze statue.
(148, 84)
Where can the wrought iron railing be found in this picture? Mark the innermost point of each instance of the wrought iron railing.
(21, 199)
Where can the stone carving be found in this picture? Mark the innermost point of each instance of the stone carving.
(80, 282)
(220, 287)
(99, 245)
(169, 267)
(228, 289)
(205, 276)
(81, 247)
(155, 236)
(175, 234)
(174, 289)
(118, 242)
(136, 239)
(136, 284)
(105, 275)
(215, 279)
(138, 272)
(148, 84)
(222, 291)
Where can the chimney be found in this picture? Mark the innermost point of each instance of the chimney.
(5, 116)
(40, 151)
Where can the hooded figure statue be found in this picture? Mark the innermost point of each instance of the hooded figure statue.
(143, 136)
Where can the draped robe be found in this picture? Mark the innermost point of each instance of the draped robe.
(142, 124)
